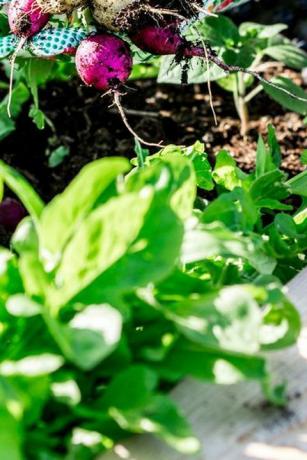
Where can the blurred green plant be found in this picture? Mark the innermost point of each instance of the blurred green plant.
(31, 74)
(129, 280)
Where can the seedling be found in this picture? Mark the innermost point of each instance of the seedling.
(246, 46)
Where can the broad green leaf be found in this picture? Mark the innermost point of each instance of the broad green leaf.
(226, 172)
(229, 319)
(181, 284)
(264, 160)
(25, 237)
(151, 257)
(234, 209)
(173, 73)
(300, 218)
(37, 71)
(35, 280)
(92, 335)
(104, 237)
(270, 185)
(172, 175)
(213, 240)
(290, 54)
(138, 409)
(31, 391)
(143, 254)
(304, 157)
(201, 165)
(287, 101)
(210, 365)
(230, 82)
(253, 29)
(25, 192)
(7, 125)
(218, 31)
(286, 225)
(281, 324)
(243, 56)
(144, 71)
(184, 185)
(139, 383)
(67, 210)
(298, 184)
(274, 147)
(275, 205)
(10, 436)
(161, 418)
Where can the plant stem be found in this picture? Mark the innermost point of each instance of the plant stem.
(57, 333)
(241, 106)
(253, 93)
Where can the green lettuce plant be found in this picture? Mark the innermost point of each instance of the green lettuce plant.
(129, 281)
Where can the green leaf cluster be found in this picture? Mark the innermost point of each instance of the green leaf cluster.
(249, 46)
(132, 279)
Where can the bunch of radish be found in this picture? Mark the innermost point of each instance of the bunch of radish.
(104, 61)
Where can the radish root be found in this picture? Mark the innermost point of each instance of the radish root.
(20, 45)
(117, 102)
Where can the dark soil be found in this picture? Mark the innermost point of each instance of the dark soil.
(85, 123)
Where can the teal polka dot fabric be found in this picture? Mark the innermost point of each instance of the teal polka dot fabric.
(7, 45)
(53, 41)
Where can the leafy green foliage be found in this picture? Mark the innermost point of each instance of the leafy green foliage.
(32, 74)
(20, 95)
(247, 46)
(127, 282)
(57, 156)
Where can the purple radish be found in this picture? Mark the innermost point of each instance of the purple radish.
(26, 18)
(11, 213)
(163, 40)
(104, 61)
